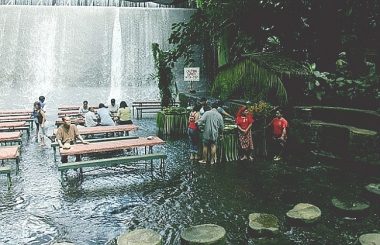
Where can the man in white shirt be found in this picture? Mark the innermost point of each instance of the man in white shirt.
(113, 107)
(90, 119)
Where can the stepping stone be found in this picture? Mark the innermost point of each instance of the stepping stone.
(140, 237)
(351, 208)
(373, 192)
(263, 225)
(304, 214)
(206, 234)
(370, 239)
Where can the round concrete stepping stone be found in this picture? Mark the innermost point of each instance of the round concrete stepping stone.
(352, 208)
(263, 225)
(373, 192)
(206, 234)
(370, 239)
(140, 237)
(304, 213)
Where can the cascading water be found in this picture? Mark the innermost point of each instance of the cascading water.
(117, 61)
(70, 54)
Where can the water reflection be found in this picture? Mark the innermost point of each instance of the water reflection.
(113, 200)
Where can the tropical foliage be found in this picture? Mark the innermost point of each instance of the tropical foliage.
(164, 74)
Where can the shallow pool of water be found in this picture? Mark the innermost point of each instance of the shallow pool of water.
(114, 200)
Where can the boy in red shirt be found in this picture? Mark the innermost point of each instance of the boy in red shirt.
(279, 133)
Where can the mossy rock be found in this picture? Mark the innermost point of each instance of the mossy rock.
(304, 214)
(206, 234)
(370, 239)
(263, 225)
(140, 237)
(372, 192)
(351, 208)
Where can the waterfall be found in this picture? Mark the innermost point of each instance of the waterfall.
(117, 61)
(75, 53)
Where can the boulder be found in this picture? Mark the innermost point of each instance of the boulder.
(351, 208)
(206, 234)
(370, 239)
(372, 192)
(304, 213)
(263, 225)
(140, 237)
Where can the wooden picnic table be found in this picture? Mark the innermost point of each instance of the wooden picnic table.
(79, 120)
(112, 146)
(69, 113)
(147, 106)
(17, 112)
(10, 152)
(12, 125)
(74, 107)
(104, 129)
(16, 118)
(10, 137)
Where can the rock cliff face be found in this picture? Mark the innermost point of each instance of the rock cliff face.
(343, 133)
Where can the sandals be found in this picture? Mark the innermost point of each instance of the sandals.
(202, 161)
(251, 159)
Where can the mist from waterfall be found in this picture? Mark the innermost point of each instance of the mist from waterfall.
(70, 54)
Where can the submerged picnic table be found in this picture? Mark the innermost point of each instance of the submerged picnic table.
(112, 146)
(147, 106)
(16, 112)
(8, 153)
(104, 129)
(11, 137)
(79, 120)
(73, 107)
(15, 126)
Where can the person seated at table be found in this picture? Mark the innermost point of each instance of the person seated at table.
(222, 111)
(67, 135)
(90, 119)
(84, 108)
(124, 114)
(105, 116)
(113, 107)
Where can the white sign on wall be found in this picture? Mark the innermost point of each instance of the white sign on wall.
(191, 74)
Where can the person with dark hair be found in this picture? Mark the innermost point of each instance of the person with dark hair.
(41, 119)
(105, 116)
(90, 119)
(222, 111)
(35, 119)
(124, 114)
(193, 132)
(66, 136)
(280, 126)
(84, 108)
(213, 130)
(205, 107)
(113, 107)
(244, 123)
(42, 102)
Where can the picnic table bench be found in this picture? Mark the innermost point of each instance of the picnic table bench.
(10, 153)
(18, 118)
(147, 106)
(69, 113)
(104, 129)
(111, 161)
(15, 126)
(54, 145)
(10, 137)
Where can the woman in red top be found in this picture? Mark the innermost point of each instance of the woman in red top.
(244, 123)
(279, 133)
(193, 132)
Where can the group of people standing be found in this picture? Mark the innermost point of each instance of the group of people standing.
(210, 119)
